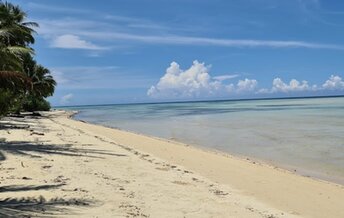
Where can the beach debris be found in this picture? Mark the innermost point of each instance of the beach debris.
(36, 114)
(36, 133)
(26, 178)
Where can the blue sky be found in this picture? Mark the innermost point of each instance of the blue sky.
(124, 51)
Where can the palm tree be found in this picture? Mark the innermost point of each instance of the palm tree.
(15, 37)
(43, 82)
(43, 85)
(11, 66)
(12, 20)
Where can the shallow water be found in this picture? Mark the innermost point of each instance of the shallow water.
(303, 134)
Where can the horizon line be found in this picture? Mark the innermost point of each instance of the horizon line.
(195, 101)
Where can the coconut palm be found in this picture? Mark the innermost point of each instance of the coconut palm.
(42, 85)
(15, 37)
(18, 31)
(11, 66)
(43, 82)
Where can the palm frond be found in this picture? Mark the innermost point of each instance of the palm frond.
(14, 80)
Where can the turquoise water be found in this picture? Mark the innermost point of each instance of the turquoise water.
(306, 135)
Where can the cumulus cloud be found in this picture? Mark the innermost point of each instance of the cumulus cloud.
(197, 82)
(279, 86)
(334, 83)
(69, 41)
(189, 83)
(247, 85)
(66, 98)
(294, 85)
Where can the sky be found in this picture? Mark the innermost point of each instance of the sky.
(133, 51)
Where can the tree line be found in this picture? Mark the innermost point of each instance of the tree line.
(24, 84)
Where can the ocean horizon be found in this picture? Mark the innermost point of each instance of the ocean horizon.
(305, 135)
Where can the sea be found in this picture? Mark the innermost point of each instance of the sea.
(303, 135)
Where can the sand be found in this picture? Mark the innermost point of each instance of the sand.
(56, 166)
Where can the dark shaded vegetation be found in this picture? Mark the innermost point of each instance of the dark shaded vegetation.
(24, 84)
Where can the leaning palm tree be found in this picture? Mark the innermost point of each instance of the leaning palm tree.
(15, 37)
(43, 83)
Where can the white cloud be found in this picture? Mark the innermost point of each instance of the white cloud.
(203, 41)
(334, 83)
(59, 77)
(192, 82)
(116, 32)
(247, 85)
(55, 8)
(294, 85)
(197, 82)
(226, 77)
(99, 77)
(69, 41)
(263, 91)
(279, 86)
(66, 99)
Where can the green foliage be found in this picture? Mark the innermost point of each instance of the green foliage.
(5, 99)
(43, 84)
(23, 83)
(36, 104)
(9, 102)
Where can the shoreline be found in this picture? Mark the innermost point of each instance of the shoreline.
(318, 176)
(112, 172)
(237, 160)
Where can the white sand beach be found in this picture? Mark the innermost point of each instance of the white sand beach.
(56, 166)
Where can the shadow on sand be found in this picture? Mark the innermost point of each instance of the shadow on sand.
(39, 206)
(8, 123)
(16, 188)
(36, 150)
